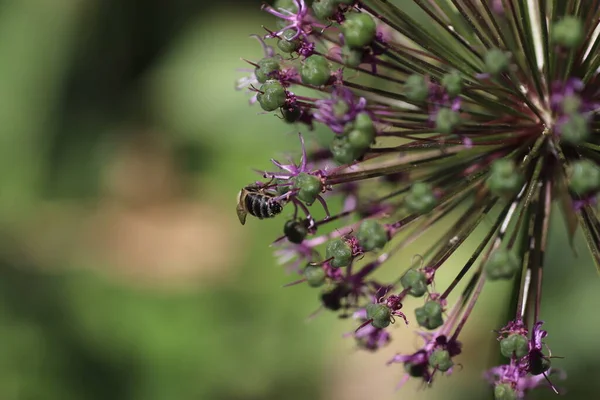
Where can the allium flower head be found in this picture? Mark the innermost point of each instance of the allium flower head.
(450, 120)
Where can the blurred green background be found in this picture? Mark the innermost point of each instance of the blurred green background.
(124, 273)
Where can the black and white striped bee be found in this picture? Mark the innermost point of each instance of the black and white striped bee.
(254, 200)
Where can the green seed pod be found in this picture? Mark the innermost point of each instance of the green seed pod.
(575, 129)
(315, 276)
(505, 179)
(364, 122)
(286, 43)
(372, 235)
(342, 151)
(266, 67)
(414, 370)
(568, 32)
(272, 97)
(502, 264)
(315, 70)
(503, 391)
(571, 104)
(291, 113)
(380, 314)
(352, 57)
(496, 61)
(416, 280)
(359, 29)
(324, 9)
(416, 88)
(310, 186)
(360, 140)
(584, 177)
(514, 344)
(430, 315)
(453, 83)
(340, 251)
(446, 120)
(440, 359)
(420, 198)
(295, 231)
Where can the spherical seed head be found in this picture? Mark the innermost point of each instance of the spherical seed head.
(315, 70)
(420, 198)
(430, 315)
(502, 264)
(504, 391)
(380, 314)
(453, 83)
(309, 187)
(340, 253)
(324, 9)
(287, 43)
(266, 68)
(272, 95)
(568, 32)
(315, 275)
(514, 344)
(416, 280)
(574, 129)
(505, 179)
(372, 235)
(441, 360)
(446, 120)
(496, 61)
(342, 151)
(359, 29)
(352, 57)
(295, 231)
(584, 177)
(416, 88)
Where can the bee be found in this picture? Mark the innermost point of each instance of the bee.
(255, 201)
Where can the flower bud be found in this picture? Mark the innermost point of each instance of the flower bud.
(496, 61)
(416, 280)
(315, 276)
(340, 253)
(430, 315)
(584, 177)
(453, 83)
(272, 95)
(286, 43)
(309, 187)
(372, 235)
(380, 314)
(341, 150)
(502, 264)
(440, 359)
(295, 231)
(575, 129)
(266, 68)
(514, 344)
(360, 140)
(505, 179)
(416, 88)
(315, 70)
(420, 198)
(568, 32)
(446, 120)
(504, 391)
(359, 29)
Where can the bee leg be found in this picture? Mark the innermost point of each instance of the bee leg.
(311, 220)
(324, 204)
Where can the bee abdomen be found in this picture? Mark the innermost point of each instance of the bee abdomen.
(262, 206)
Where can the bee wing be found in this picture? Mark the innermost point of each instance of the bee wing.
(241, 213)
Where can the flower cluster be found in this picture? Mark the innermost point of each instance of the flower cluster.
(444, 114)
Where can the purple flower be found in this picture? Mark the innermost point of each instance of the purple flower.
(341, 108)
